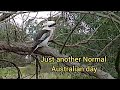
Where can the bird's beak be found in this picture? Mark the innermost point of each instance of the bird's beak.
(52, 25)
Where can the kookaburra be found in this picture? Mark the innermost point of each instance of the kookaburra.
(43, 36)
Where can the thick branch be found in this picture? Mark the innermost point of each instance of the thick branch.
(48, 51)
(4, 16)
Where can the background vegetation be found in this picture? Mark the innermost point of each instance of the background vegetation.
(97, 35)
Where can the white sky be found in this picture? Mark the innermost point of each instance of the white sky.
(43, 14)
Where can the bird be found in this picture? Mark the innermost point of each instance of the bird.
(43, 36)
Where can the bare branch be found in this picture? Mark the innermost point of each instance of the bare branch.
(109, 44)
(114, 23)
(96, 29)
(4, 16)
(48, 51)
(71, 33)
(78, 44)
(112, 13)
(74, 45)
(96, 13)
(12, 16)
(19, 72)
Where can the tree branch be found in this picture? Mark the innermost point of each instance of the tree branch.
(108, 45)
(4, 16)
(96, 13)
(19, 72)
(25, 48)
(71, 33)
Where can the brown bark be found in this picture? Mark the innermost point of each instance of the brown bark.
(25, 48)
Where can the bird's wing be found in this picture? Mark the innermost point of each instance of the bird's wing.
(41, 36)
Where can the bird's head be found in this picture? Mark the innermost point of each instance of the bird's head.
(49, 25)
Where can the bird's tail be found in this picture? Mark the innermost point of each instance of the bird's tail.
(28, 58)
(33, 50)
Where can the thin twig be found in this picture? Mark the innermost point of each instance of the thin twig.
(26, 17)
(89, 48)
(111, 41)
(95, 13)
(96, 29)
(78, 43)
(16, 29)
(19, 72)
(72, 32)
(112, 13)
(38, 66)
(12, 16)
(45, 18)
(37, 75)
(114, 23)
(108, 45)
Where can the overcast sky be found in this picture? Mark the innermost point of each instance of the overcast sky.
(43, 14)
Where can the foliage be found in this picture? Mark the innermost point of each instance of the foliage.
(108, 30)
